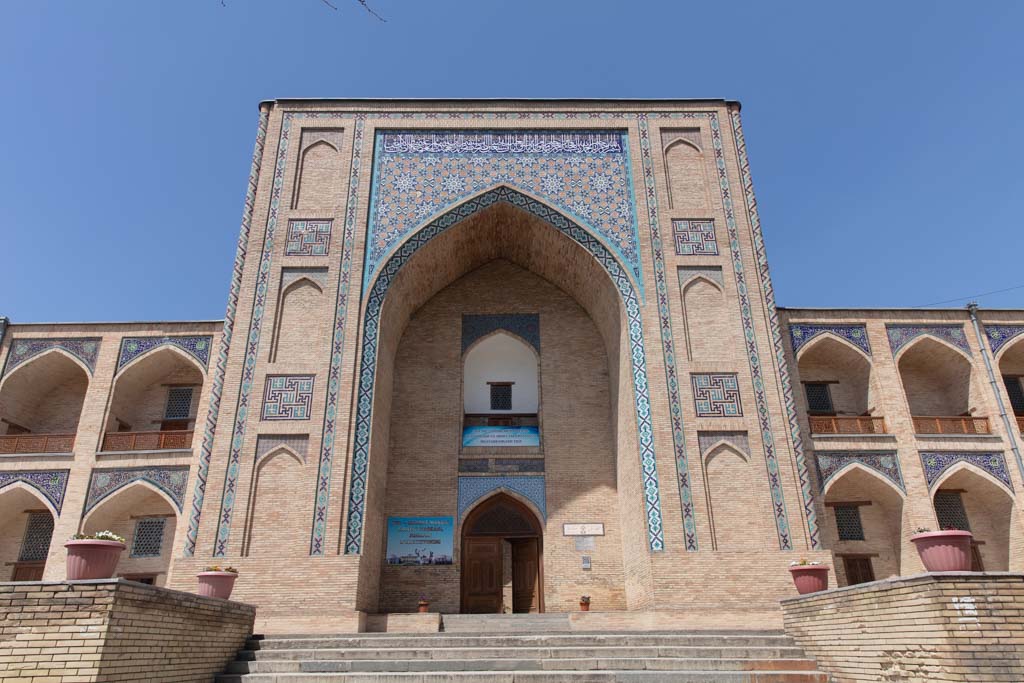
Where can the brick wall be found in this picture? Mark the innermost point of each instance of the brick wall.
(115, 630)
(929, 627)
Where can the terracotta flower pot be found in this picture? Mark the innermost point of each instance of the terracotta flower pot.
(423, 607)
(584, 606)
(809, 578)
(92, 559)
(944, 551)
(216, 584)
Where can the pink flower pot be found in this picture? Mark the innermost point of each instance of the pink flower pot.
(216, 584)
(944, 551)
(91, 559)
(809, 578)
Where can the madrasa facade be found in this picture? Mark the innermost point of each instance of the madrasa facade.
(500, 355)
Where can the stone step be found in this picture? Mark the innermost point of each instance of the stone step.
(516, 664)
(506, 623)
(540, 652)
(775, 676)
(577, 639)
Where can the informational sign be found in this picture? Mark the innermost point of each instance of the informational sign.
(500, 437)
(596, 529)
(420, 540)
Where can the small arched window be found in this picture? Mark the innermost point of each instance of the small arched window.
(501, 398)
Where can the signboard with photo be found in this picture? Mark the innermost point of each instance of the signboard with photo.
(414, 541)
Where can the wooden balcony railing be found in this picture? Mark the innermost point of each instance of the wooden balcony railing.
(951, 425)
(147, 441)
(12, 444)
(833, 424)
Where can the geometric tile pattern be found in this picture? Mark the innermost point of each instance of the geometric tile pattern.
(999, 335)
(375, 297)
(288, 397)
(694, 238)
(170, 479)
(133, 347)
(525, 326)
(472, 489)
(308, 238)
(85, 350)
(716, 394)
(802, 333)
(585, 174)
(937, 462)
(831, 463)
(50, 483)
(789, 402)
(901, 335)
(220, 368)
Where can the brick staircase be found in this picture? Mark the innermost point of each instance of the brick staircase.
(525, 648)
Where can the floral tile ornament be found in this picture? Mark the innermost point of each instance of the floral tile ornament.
(802, 333)
(196, 346)
(936, 463)
(51, 484)
(86, 350)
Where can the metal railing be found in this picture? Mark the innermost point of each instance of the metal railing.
(951, 425)
(834, 424)
(147, 441)
(13, 444)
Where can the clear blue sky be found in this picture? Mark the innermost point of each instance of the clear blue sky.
(885, 138)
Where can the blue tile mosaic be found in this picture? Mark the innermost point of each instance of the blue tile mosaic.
(308, 238)
(472, 489)
(526, 326)
(901, 335)
(22, 350)
(196, 346)
(802, 333)
(51, 484)
(103, 483)
(831, 463)
(694, 238)
(1001, 335)
(716, 394)
(288, 397)
(935, 464)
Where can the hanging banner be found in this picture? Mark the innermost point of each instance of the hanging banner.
(420, 540)
(498, 437)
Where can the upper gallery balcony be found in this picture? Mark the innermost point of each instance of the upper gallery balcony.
(939, 384)
(838, 387)
(154, 403)
(40, 404)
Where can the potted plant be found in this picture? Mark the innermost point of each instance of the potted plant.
(948, 550)
(809, 576)
(584, 603)
(217, 582)
(423, 606)
(93, 556)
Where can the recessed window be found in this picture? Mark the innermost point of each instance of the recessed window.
(819, 398)
(501, 396)
(179, 403)
(848, 523)
(949, 509)
(858, 570)
(149, 537)
(1015, 389)
(38, 532)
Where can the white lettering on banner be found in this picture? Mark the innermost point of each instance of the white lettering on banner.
(592, 529)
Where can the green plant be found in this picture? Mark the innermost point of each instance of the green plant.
(584, 599)
(922, 530)
(804, 562)
(99, 536)
(218, 568)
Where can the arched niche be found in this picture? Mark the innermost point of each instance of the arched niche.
(988, 510)
(147, 519)
(500, 359)
(280, 507)
(319, 175)
(154, 402)
(1011, 367)
(300, 321)
(26, 533)
(43, 396)
(858, 497)
(709, 324)
(936, 378)
(687, 178)
(834, 372)
(737, 519)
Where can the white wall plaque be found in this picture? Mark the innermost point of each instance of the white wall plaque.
(583, 529)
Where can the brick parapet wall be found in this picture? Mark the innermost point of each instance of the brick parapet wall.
(116, 630)
(928, 627)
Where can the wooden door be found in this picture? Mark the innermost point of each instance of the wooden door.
(858, 570)
(481, 575)
(525, 575)
(28, 571)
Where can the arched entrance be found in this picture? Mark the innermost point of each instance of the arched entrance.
(502, 551)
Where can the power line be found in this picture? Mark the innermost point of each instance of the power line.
(972, 296)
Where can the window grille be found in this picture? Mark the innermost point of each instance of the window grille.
(38, 533)
(149, 537)
(949, 509)
(179, 403)
(848, 523)
(858, 570)
(1016, 392)
(501, 397)
(819, 398)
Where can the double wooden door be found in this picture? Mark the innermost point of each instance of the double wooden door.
(484, 573)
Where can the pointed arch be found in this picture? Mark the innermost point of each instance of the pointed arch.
(495, 496)
(33, 490)
(693, 279)
(683, 141)
(161, 349)
(926, 337)
(860, 467)
(962, 466)
(45, 395)
(501, 356)
(830, 336)
(282, 450)
(938, 378)
(723, 447)
(583, 241)
(500, 330)
(133, 485)
(140, 393)
(37, 358)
